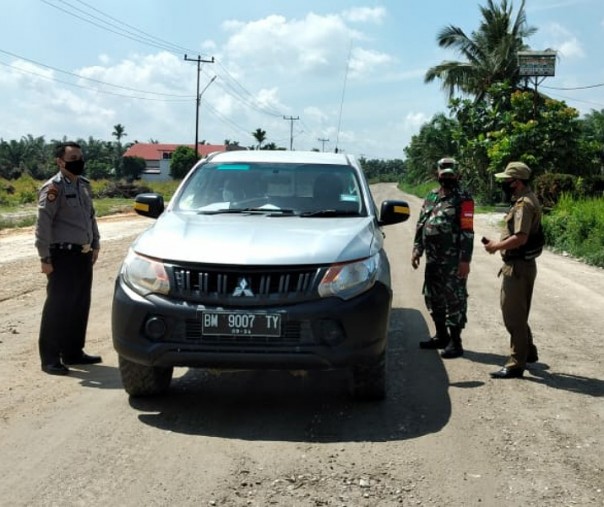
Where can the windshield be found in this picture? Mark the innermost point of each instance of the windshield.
(294, 189)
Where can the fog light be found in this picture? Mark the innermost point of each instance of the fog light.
(329, 332)
(155, 328)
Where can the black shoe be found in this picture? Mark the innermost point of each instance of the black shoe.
(432, 344)
(451, 352)
(508, 373)
(83, 359)
(55, 369)
(532, 356)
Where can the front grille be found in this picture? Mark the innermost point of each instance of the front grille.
(244, 286)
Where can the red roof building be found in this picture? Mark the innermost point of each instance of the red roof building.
(157, 157)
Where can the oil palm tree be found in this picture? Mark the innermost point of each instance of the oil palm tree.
(490, 53)
(260, 136)
(119, 131)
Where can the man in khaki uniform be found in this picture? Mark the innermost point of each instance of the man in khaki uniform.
(520, 244)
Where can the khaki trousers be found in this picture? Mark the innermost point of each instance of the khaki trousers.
(518, 280)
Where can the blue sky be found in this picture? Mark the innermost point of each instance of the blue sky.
(351, 72)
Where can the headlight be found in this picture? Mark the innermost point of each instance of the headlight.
(349, 280)
(145, 275)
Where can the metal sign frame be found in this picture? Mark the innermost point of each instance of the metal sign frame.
(537, 63)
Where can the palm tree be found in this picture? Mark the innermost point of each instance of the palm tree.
(260, 136)
(490, 52)
(119, 131)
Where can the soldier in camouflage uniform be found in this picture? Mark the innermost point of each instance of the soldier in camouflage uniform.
(445, 233)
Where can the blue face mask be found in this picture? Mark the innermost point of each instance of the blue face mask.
(75, 167)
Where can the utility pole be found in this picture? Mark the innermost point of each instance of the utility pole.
(291, 130)
(321, 140)
(199, 61)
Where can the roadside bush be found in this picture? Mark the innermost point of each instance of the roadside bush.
(23, 190)
(576, 226)
(590, 186)
(118, 189)
(549, 187)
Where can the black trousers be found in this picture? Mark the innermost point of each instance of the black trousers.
(65, 313)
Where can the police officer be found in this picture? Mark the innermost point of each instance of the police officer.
(67, 240)
(520, 244)
(445, 233)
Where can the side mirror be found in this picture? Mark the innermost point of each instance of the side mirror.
(393, 212)
(149, 205)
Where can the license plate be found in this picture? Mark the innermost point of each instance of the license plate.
(240, 323)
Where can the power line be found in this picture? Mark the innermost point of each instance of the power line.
(234, 90)
(104, 92)
(229, 84)
(111, 27)
(88, 78)
(151, 36)
(574, 88)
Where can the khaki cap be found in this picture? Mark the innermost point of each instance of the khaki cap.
(517, 170)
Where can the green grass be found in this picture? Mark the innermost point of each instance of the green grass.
(576, 226)
(18, 199)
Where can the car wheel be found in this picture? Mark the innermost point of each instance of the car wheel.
(369, 380)
(141, 380)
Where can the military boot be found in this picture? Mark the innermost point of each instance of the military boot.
(440, 341)
(454, 348)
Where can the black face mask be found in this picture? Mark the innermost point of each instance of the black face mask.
(448, 183)
(75, 167)
(507, 189)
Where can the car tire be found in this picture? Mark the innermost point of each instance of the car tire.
(369, 380)
(141, 380)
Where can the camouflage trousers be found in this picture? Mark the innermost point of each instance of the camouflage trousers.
(445, 294)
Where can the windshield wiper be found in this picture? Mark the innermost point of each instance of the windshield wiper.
(330, 213)
(254, 211)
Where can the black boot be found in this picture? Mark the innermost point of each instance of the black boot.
(454, 348)
(440, 341)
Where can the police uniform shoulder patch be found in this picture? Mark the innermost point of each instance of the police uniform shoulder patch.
(52, 193)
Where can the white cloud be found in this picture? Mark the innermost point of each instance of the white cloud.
(564, 41)
(316, 115)
(413, 121)
(315, 44)
(365, 14)
(364, 62)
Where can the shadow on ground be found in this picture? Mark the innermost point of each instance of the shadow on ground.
(312, 407)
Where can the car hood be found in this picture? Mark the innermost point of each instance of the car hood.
(259, 239)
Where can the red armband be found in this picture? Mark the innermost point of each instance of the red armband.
(466, 217)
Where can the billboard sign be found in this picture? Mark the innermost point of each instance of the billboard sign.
(537, 63)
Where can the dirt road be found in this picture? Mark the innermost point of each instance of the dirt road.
(446, 435)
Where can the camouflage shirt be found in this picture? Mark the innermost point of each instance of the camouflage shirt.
(445, 227)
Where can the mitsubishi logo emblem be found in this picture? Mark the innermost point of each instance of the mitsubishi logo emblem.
(242, 288)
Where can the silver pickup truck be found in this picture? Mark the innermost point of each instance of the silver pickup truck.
(261, 260)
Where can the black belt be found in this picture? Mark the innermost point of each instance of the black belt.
(71, 247)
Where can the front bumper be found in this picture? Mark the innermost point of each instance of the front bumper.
(323, 334)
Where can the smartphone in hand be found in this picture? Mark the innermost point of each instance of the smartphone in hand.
(484, 240)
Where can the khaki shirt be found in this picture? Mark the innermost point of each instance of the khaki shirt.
(523, 217)
(65, 214)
